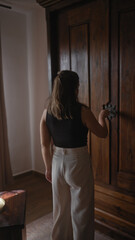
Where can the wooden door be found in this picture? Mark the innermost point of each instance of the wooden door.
(115, 203)
(97, 40)
(123, 81)
(83, 47)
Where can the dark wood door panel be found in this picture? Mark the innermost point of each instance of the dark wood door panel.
(79, 58)
(127, 91)
(84, 48)
(74, 54)
(100, 47)
(99, 86)
(63, 41)
(123, 80)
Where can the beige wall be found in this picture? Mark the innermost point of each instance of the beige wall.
(24, 61)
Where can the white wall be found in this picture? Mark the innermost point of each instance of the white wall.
(24, 61)
(38, 79)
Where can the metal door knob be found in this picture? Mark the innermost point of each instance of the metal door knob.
(112, 109)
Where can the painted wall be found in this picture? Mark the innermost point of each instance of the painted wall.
(38, 80)
(24, 61)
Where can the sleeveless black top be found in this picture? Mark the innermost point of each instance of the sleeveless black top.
(68, 133)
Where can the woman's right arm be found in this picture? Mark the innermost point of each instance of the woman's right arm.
(46, 146)
(99, 128)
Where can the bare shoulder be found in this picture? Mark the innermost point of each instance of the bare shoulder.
(43, 118)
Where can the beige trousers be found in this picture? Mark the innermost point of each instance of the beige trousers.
(73, 194)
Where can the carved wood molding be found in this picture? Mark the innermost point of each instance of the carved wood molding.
(48, 3)
(57, 4)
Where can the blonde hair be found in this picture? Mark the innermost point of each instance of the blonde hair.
(64, 95)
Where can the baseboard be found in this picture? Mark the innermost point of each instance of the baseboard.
(27, 173)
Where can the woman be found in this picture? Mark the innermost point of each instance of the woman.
(66, 123)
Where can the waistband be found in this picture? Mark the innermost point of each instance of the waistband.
(70, 150)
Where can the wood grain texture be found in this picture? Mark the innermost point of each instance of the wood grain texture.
(12, 218)
(48, 3)
(97, 40)
(116, 209)
(84, 48)
(14, 210)
(127, 91)
(123, 75)
(79, 56)
(53, 5)
(99, 65)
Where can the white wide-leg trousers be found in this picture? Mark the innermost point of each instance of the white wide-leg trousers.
(73, 194)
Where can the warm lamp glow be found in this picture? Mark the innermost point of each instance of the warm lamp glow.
(2, 203)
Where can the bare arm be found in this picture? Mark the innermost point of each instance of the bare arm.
(99, 128)
(46, 146)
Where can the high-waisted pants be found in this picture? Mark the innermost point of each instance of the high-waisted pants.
(73, 194)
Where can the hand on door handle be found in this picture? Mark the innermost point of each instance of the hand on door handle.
(112, 109)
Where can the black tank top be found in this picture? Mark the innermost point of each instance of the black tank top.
(68, 133)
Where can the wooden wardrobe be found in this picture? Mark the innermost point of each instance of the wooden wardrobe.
(96, 38)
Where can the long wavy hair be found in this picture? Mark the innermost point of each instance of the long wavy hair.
(64, 95)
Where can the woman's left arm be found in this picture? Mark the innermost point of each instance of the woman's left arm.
(46, 147)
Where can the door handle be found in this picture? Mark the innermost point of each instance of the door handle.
(112, 109)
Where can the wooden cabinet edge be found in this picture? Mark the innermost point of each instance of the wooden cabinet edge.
(115, 226)
(112, 217)
(114, 193)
